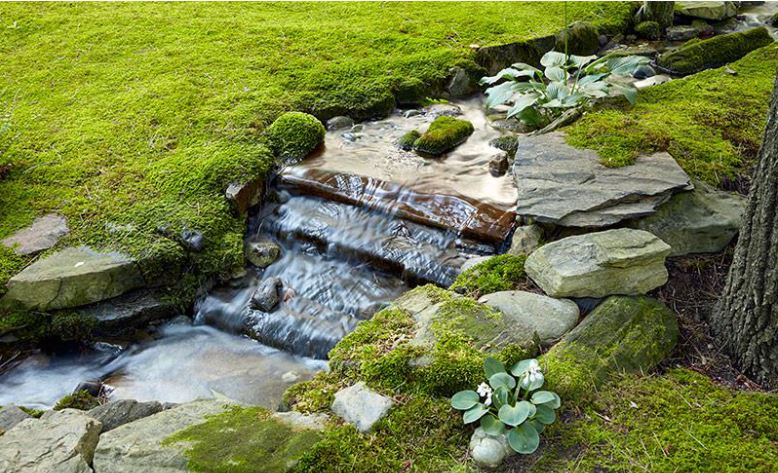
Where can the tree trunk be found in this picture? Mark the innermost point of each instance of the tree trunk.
(746, 317)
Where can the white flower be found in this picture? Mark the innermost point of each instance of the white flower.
(485, 391)
(532, 378)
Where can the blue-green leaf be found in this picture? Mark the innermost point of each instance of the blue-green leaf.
(544, 414)
(546, 398)
(499, 94)
(464, 400)
(501, 396)
(522, 102)
(491, 425)
(556, 73)
(515, 415)
(474, 413)
(493, 366)
(524, 439)
(553, 58)
(523, 366)
(503, 379)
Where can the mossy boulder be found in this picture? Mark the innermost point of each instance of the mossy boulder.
(623, 334)
(580, 38)
(411, 92)
(507, 143)
(498, 273)
(648, 30)
(408, 139)
(697, 55)
(294, 135)
(444, 133)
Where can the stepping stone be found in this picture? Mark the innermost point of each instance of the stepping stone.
(526, 239)
(361, 406)
(546, 317)
(621, 261)
(43, 234)
(73, 277)
(10, 416)
(702, 221)
(63, 441)
(567, 186)
(123, 411)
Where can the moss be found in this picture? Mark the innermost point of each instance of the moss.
(26, 326)
(580, 38)
(714, 52)
(444, 133)
(315, 395)
(507, 143)
(498, 273)
(37, 413)
(712, 123)
(294, 135)
(774, 19)
(243, 440)
(80, 400)
(72, 326)
(408, 139)
(648, 30)
(411, 92)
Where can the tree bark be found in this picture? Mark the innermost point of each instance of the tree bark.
(746, 317)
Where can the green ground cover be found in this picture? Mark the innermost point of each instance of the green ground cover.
(128, 117)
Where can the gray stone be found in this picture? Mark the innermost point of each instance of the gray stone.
(411, 113)
(621, 261)
(303, 421)
(487, 450)
(498, 165)
(123, 411)
(707, 10)
(63, 442)
(681, 32)
(702, 221)
(458, 83)
(473, 261)
(652, 81)
(540, 316)
(525, 240)
(567, 186)
(244, 195)
(262, 253)
(43, 234)
(339, 122)
(73, 277)
(129, 311)
(643, 72)
(10, 416)
(442, 109)
(137, 446)
(265, 297)
(361, 406)
(192, 240)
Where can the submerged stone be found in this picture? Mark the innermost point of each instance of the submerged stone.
(43, 234)
(263, 252)
(129, 311)
(681, 32)
(444, 133)
(361, 406)
(621, 261)
(265, 297)
(442, 110)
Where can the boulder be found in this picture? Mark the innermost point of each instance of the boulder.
(469, 263)
(263, 252)
(537, 315)
(623, 334)
(73, 277)
(444, 134)
(265, 297)
(525, 240)
(702, 221)
(129, 311)
(340, 122)
(563, 185)
(123, 411)
(361, 406)
(621, 261)
(716, 11)
(43, 234)
(137, 446)
(458, 83)
(10, 416)
(62, 442)
(488, 450)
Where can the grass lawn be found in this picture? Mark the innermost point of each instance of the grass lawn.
(128, 117)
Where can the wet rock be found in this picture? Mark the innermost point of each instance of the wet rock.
(716, 11)
(525, 240)
(643, 72)
(129, 311)
(473, 261)
(350, 137)
(499, 164)
(123, 411)
(567, 186)
(458, 83)
(444, 134)
(339, 122)
(243, 196)
(62, 442)
(507, 143)
(73, 277)
(10, 416)
(361, 406)
(648, 30)
(92, 386)
(681, 32)
(411, 113)
(487, 450)
(43, 234)
(703, 28)
(192, 240)
(265, 297)
(137, 446)
(702, 221)
(547, 318)
(262, 253)
(442, 110)
(408, 139)
(621, 261)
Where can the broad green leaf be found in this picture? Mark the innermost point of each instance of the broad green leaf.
(515, 415)
(501, 397)
(539, 427)
(554, 403)
(524, 439)
(553, 58)
(503, 379)
(526, 67)
(474, 413)
(493, 366)
(523, 366)
(555, 103)
(581, 61)
(531, 117)
(522, 102)
(507, 73)
(590, 78)
(542, 397)
(544, 415)
(492, 425)
(531, 382)
(464, 400)
(555, 73)
(499, 94)
(630, 92)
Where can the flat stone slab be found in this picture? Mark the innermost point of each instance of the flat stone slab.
(123, 411)
(62, 442)
(361, 406)
(43, 234)
(546, 317)
(621, 261)
(10, 416)
(563, 185)
(702, 221)
(130, 310)
(73, 277)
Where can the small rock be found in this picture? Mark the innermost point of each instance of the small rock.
(339, 122)
(411, 113)
(43, 234)
(265, 297)
(245, 195)
(290, 376)
(643, 72)
(459, 83)
(123, 411)
(442, 109)
(357, 128)
(603, 39)
(498, 165)
(507, 143)
(526, 239)
(262, 253)
(473, 261)
(489, 451)
(651, 81)
(361, 406)
(93, 386)
(192, 240)
(681, 32)
(547, 318)
(350, 137)
(730, 71)
(10, 416)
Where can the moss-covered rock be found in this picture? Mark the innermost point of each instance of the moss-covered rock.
(623, 334)
(408, 139)
(507, 143)
(294, 135)
(444, 133)
(498, 273)
(648, 30)
(80, 400)
(579, 38)
(694, 56)
(411, 92)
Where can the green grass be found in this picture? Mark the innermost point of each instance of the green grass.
(712, 123)
(128, 117)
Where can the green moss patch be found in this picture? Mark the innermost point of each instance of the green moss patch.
(580, 38)
(80, 400)
(648, 30)
(444, 134)
(712, 123)
(294, 135)
(498, 273)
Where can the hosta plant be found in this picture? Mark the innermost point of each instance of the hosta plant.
(537, 97)
(510, 404)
